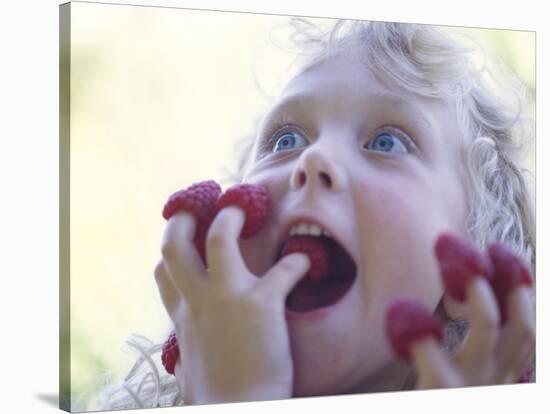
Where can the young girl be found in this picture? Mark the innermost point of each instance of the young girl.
(387, 137)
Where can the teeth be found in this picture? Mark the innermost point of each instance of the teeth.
(315, 230)
(309, 229)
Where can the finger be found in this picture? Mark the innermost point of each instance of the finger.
(510, 271)
(168, 293)
(478, 348)
(179, 373)
(517, 347)
(435, 369)
(222, 249)
(180, 256)
(281, 278)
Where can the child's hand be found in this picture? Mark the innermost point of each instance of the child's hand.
(500, 344)
(230, 323)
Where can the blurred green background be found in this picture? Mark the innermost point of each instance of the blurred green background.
(159, 99)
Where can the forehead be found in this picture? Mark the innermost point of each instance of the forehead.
(342, 90)
(346, 76)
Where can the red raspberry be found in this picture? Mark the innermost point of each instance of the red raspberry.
(460, 261)
(509, 271)
(317, 251)
(254, 200)
(200, 200)
(407, 321)
(170, 353)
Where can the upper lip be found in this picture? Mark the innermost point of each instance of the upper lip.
(293, 220)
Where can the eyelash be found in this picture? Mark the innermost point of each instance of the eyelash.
(280, 125)
(398, 133)
(286, 124)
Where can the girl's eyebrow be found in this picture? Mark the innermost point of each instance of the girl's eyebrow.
(296, 104)
(410, 108)
(296, 100)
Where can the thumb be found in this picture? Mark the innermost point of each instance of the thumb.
(282, 277)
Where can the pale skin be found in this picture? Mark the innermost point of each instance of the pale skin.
(380, 205)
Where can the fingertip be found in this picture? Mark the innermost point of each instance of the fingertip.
(301, 259)
(408, 321)
(286, 272)
(296, 263)
(460, 261)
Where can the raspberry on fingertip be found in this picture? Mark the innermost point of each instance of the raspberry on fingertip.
(200, 200)
(408, 321)
(460, 261)
(509, 272)
(254, 200)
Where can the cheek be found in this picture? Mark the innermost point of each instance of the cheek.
(407, 205)
(275, 178)
(398, 226)
(396, 207)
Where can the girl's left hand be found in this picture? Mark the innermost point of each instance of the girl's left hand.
(492, 352)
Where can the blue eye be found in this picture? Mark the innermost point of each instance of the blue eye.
(289, 140)
(385, 142)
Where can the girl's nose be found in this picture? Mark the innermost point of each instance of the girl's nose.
(316, 169)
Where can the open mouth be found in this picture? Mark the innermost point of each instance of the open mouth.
(309, 294)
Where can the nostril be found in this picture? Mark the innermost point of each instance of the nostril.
(302, 178)
(325, 179)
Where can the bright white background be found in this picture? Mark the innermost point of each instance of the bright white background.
(29, 206)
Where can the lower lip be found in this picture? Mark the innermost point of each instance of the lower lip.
(311, 315)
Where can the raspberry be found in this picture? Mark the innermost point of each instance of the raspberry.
(254, 200)
(460, 261)
(170, 353)
(509, 271)
(407, 321)
(316, 249)
(200, 200)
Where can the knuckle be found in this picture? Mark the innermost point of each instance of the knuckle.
(262, 300)
(159, 271)
(526, 332)
(254, 303)
(489, 321)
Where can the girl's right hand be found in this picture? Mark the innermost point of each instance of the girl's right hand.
(230, 323)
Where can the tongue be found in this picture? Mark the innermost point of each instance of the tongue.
(307, 295)
(317, 249)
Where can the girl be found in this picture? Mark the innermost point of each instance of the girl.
(386, 138)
